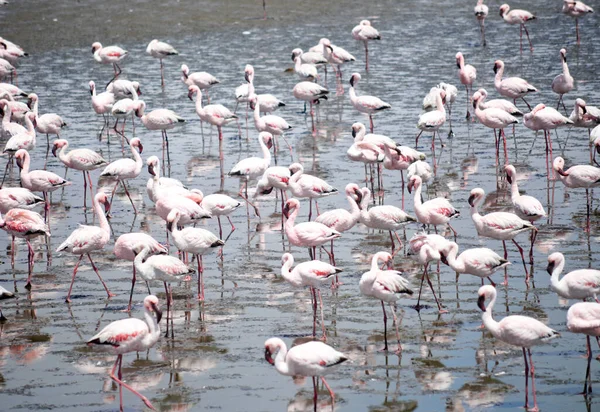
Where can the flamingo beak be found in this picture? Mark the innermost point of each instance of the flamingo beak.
(107, 206)
(481, 302)
(268, 357)
(550, 268)
(54, 150)
(598, 149)
(353, 133)
(247, 76)
(475, 103)
(157, 311)
(93, 50)
(562, 173)
(496, 67)
(191, 95)
(471, 200)
(352, 81)
(443, 259)
(286, 211)
(410, 186)
(509, 179)
(269, 143)
(390, 264)
(584, 110)
(151, 170)
(359, 196)
(293, 56)
(20, 162)
(170, 226)
(139, 91)
(457, 64)
(140, 147)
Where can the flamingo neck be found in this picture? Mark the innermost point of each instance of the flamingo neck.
(375, 262)
(139, 163)
(418, 202)
(139, 263)
(475, 216)
(7, 115)
(265, 150)
(353, 96)
(440, 104)
(35, 107)
(554, 279)
(456, 264)
(62, 154)
(280, 361)
(498, 77)
(290, 223)
(30, 128)
(101, 217)
(257, 120)
(565, 68)
(199, 108)
(354, 208)
(26, 164)
(365, 217)
(514, 189)
(489, 323)
(153, 327)
(297, 64)
(287, 274)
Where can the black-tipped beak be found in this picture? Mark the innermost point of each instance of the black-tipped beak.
(191, 95)
(268, 357)
(93, 50)
(170, 226)
(353, 133)
(140, 147)
(54, 150)
(151, 170)
(352, 81)
(495, 68)
(247, 76)
(286, 211)
(443, 258)
(270, 143)
(139, 91)
(584, 110)
(475, 103)
(359, 196)
(293, 56)
(550, 268)
(598, 149)
(471, 200)
(410, 186)
(509, 179)
(457, 64)
(107, 207)
(157, 311)
(481, 303)
(20, 162)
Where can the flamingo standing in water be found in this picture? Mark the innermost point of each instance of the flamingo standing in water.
(385, 285)
(78, 159)
(314, 359)
(499, 225)
(102, 103)
(577, 284)
(434, 212)
(467, 75)
(130, 335)
(432, 121)
(159, 119)
(519, 17)
(563, 83)
(48, 123)
(364, 32)
(366, 104)
(576, 9)
(191, 211)
(525, 206)
(4, 294)
(218, 205)
(193, 240)
(505, 105)
(24, 224)
(546, 119)
(87, 239)
(124, 169)
(124, 89)
(163, 182)
(314, 274)
(584, 317)
(481, 262)
(481, 12)
(109, 55)
(9, 128)
(312, 93)
(585, 116)
(121, 110)
(275, 177)
(517, 330)
(336, 56)
(307, 186)
(305, 71)
(266, 102)
(18, 197)
(124, 246)
(203, 80)
(430, 103)
(511, 87)
(23, 140)
(160, 50)
(215, 114)
(273, 124)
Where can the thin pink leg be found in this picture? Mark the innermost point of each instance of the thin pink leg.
(110, 295)
(329, 389)
(127, 193)
(30, 257)
(68, 299)
(532, 367)
(526, 380)
(132, 286)
(120, 382)
(200, 278)
(324, 338)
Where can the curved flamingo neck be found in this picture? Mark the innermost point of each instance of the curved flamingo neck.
(257, 119)
(251, 91)
(440, 104)
(7, 114)
(296, 176)
(199, 108)
(514, 189)
(265, 150)
(364, 207)
(62, 154)
(554, 279)
(35, 107)
(565, 68)
(152, 327)
(354, 208)
(286, 272)
(417, 197)
(498, 77)
(375, 261)
(458, 265)
(30, 127)
(489, 323)
(26, 165)
(353, 96)
(360, 136)
(297, 64)
(139, 163)
(290, 230)
(280, 360)
(101, 217)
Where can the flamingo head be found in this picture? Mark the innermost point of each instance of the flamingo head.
(354, 79)
(511, 172)
(553, 260)
(581, 104)
(20, 157)
(136, 87)
(96, 46)
(185, 71)
(504, 9)
(353, 190)
(249, 73)
(58, 144)
(92, 86)
(252, 101)
(296, 167)
(286, 257)
(357, 128)
(151, 303)
(476, 97)
(365, 23)
(31, 99)
(388, 259)
(296, 53)
(272, 346)
(267, 138)
(558, 165)
(475, 196)
(172, 217)
(192, 90)
(32, 118)
(102, 198)
(413, 183)
(484, 293)
(135, 142)
(459, 59)
(498, 64)
(290, 206)
(563, 55)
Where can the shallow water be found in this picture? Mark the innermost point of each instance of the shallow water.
(217, 358)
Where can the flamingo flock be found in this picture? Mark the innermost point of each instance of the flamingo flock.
(179, 209)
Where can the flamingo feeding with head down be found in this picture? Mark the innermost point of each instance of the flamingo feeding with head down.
(434, 212)
(576, 9)
(517, 330)
(520, 17)
(18, 197)
(160, 50)
(123, 89)
(584, 317)
(159, 119)
(467, 75)
(511, 87)
(267, 103)
(366, 104)
(305, 71)
(364, 32)
(130, 335)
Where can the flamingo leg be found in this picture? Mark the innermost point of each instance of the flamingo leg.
(132, 286)
(396, 325)
(577, 30)
(523, 259)
(30, 257)
(522, 98)
(385, 347)
(200, 278)
(129, 388)
(329, 389)
(129, 196)
(68, 299)
(247, 200)
(526, 380)
(439, 305)
(162, 75)
(313, 298)
(418, 306)
(371, 125)
(528, 39)
(367, 56)
(417, 139)
(168, 308)
(324, 337)
(110, 295)
(532, 368)
(588, 377)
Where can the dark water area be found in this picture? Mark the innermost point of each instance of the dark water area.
(216, 360)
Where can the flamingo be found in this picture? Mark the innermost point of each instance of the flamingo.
(163, 182)
(306, 234)
(24, 224)
(310, 57)
(494, 119)
(365, 32)
(109, 55)
(123, 89)
(18, 109)
(511, 87)
(215, 114)
(122, 109)
(87, 239)
(434, 212)
(253, 167)
(4, 294)
(82, 159)
(275, 125)
(336, 56)
(9, 128)
(302, 185)
(367, 153)
(124, 169)
(385, 285)
(218, 205)
(160, 50)
(576, 9)
(203, 80)
(502, 104)
(584, 115)
(578, 284)
(13, 90)
(426, 248)
(499, 225)
(159, 119)
(481, 12)
(23, 140)
(48, 123)
(546, 119)
(467, 75)
(193, 240)
(481, 262)
(312, 93)
(520, 17)
(18, 197)
(266, 102)
(305, 71)
(191, 212)
(124, 246)
(313, 274)
(102, 103)
(314, 359)
(11, 52)
(584, 317)
(525, 206)
(430, 103)
(383, 217)
(516, 330)
(277, 177)
(7, 69)
(432, 121)
(563, 83)
(130, 335)
(366, 104)
(401, 159)
(38, 180)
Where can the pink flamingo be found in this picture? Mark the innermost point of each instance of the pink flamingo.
(429, 101)
(305, 71)
(467, 75)
(511, 87)
(434, 212)
(584, 317)
(426, 248)
(563, 83)
(4, 294)
(11, 51)
(193, 240)
(313, 274)
(364, 32)
(516, 330)
(130, 335)
(481, 12)
(18, 197)
(203, 80)
(215, 114)
(383, 217)
(160, 50)
(24, 140)
(584, 115)
(164, 182)
(312, 93)
(48, 123)
(306, 234)
(481, 262)
(87, 239)
(38, 180)
(159, 119)
(102, 103)
(266, 102)
(124, 89)
(366, 104)
(109, 55)
(84, 160)
(307, 186)
(385, 285)
(275, 125)
(401, 159)
(122, 109)
(336, 56)
(525, 206)
(432, 121)
(9, 128)
(277, 177)
(505, 105)
(499, 225)
(519, 17)
(7, 69)
(18, 109)
(546, 119)
(24, 224)
(578, 284)
(124, 169)
(124, 246)
(576, 9)
(191, 211)
(314, 359)
(218, 205)
(13, 90)
(311, 57)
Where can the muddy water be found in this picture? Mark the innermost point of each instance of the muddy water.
(216, 360)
